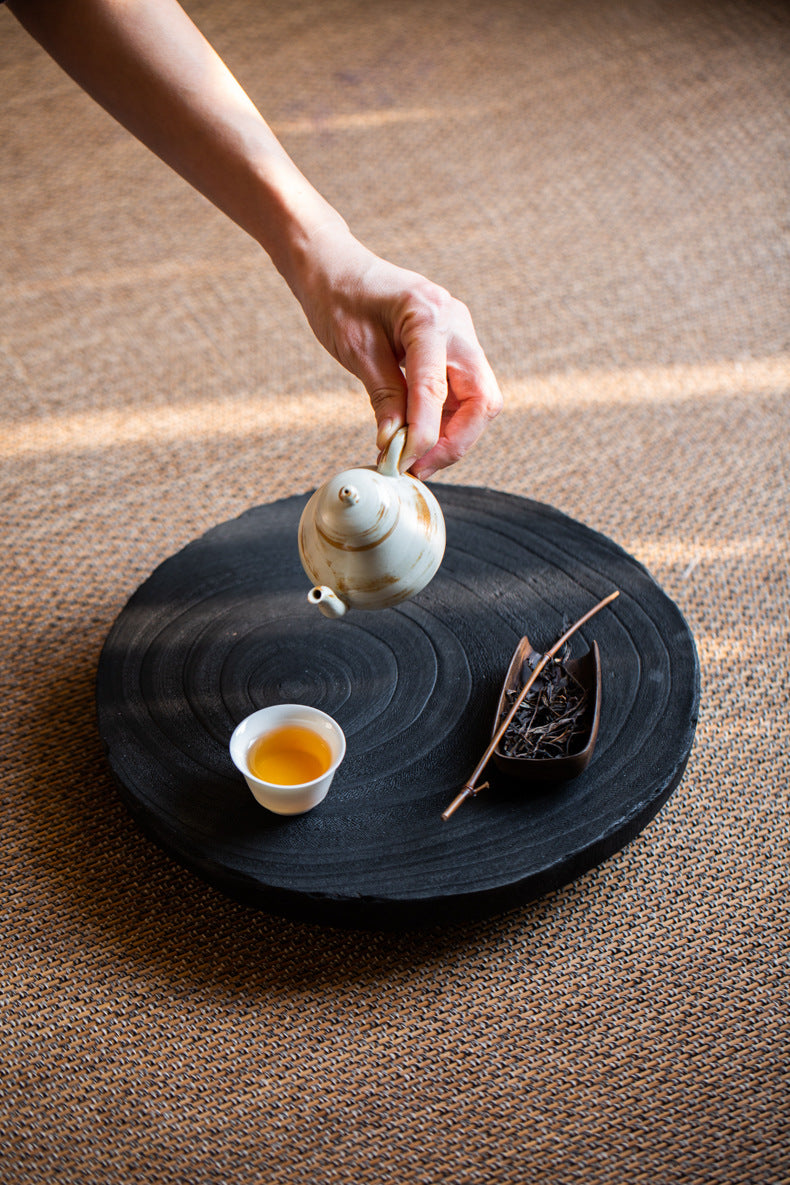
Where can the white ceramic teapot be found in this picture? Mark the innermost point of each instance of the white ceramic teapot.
(371, 537)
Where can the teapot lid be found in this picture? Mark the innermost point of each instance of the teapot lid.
(355, 509)
(358, 507)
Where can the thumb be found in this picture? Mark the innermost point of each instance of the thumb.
(385, 384)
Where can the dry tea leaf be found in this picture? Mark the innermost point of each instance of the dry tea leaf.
(549, 722)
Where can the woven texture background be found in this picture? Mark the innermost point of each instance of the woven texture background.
(606, 186)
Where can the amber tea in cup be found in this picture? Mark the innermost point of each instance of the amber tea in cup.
(288, 754)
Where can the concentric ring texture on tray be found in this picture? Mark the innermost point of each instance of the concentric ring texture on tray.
(224, 627)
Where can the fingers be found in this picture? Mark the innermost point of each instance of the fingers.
(385, 384)
(447, 397)
(426, 383)
(460, 429)
(417, 397)
(389, 407)
(415, 349)
(452, 396)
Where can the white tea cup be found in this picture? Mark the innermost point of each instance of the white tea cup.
(277, 723)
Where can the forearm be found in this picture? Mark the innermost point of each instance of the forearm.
(412, 345)
(148, 65)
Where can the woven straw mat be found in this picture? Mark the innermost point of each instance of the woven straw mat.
(606, 187)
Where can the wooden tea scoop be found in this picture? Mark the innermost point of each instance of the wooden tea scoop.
(469, 789)
(566, 720)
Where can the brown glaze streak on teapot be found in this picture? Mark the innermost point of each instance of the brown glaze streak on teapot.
(371, 537)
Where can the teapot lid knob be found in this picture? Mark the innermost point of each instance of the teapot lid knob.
(348, 495)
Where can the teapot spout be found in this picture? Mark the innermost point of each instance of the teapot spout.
(330, 604)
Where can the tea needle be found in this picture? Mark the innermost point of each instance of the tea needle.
(469, 789)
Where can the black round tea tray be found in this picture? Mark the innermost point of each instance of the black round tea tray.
(224, 627)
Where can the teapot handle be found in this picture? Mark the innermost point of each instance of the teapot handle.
(392, 453)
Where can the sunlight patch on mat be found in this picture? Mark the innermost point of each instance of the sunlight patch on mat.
(246, 413)
(384, 117)
(695, 557)
(654, 384)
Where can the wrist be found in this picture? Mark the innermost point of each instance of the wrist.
(292, 225)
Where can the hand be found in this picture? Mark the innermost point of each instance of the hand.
(411, 344)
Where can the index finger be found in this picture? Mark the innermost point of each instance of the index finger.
(425, 366)
(473, 400)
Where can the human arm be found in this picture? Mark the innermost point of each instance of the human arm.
(148, 65)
